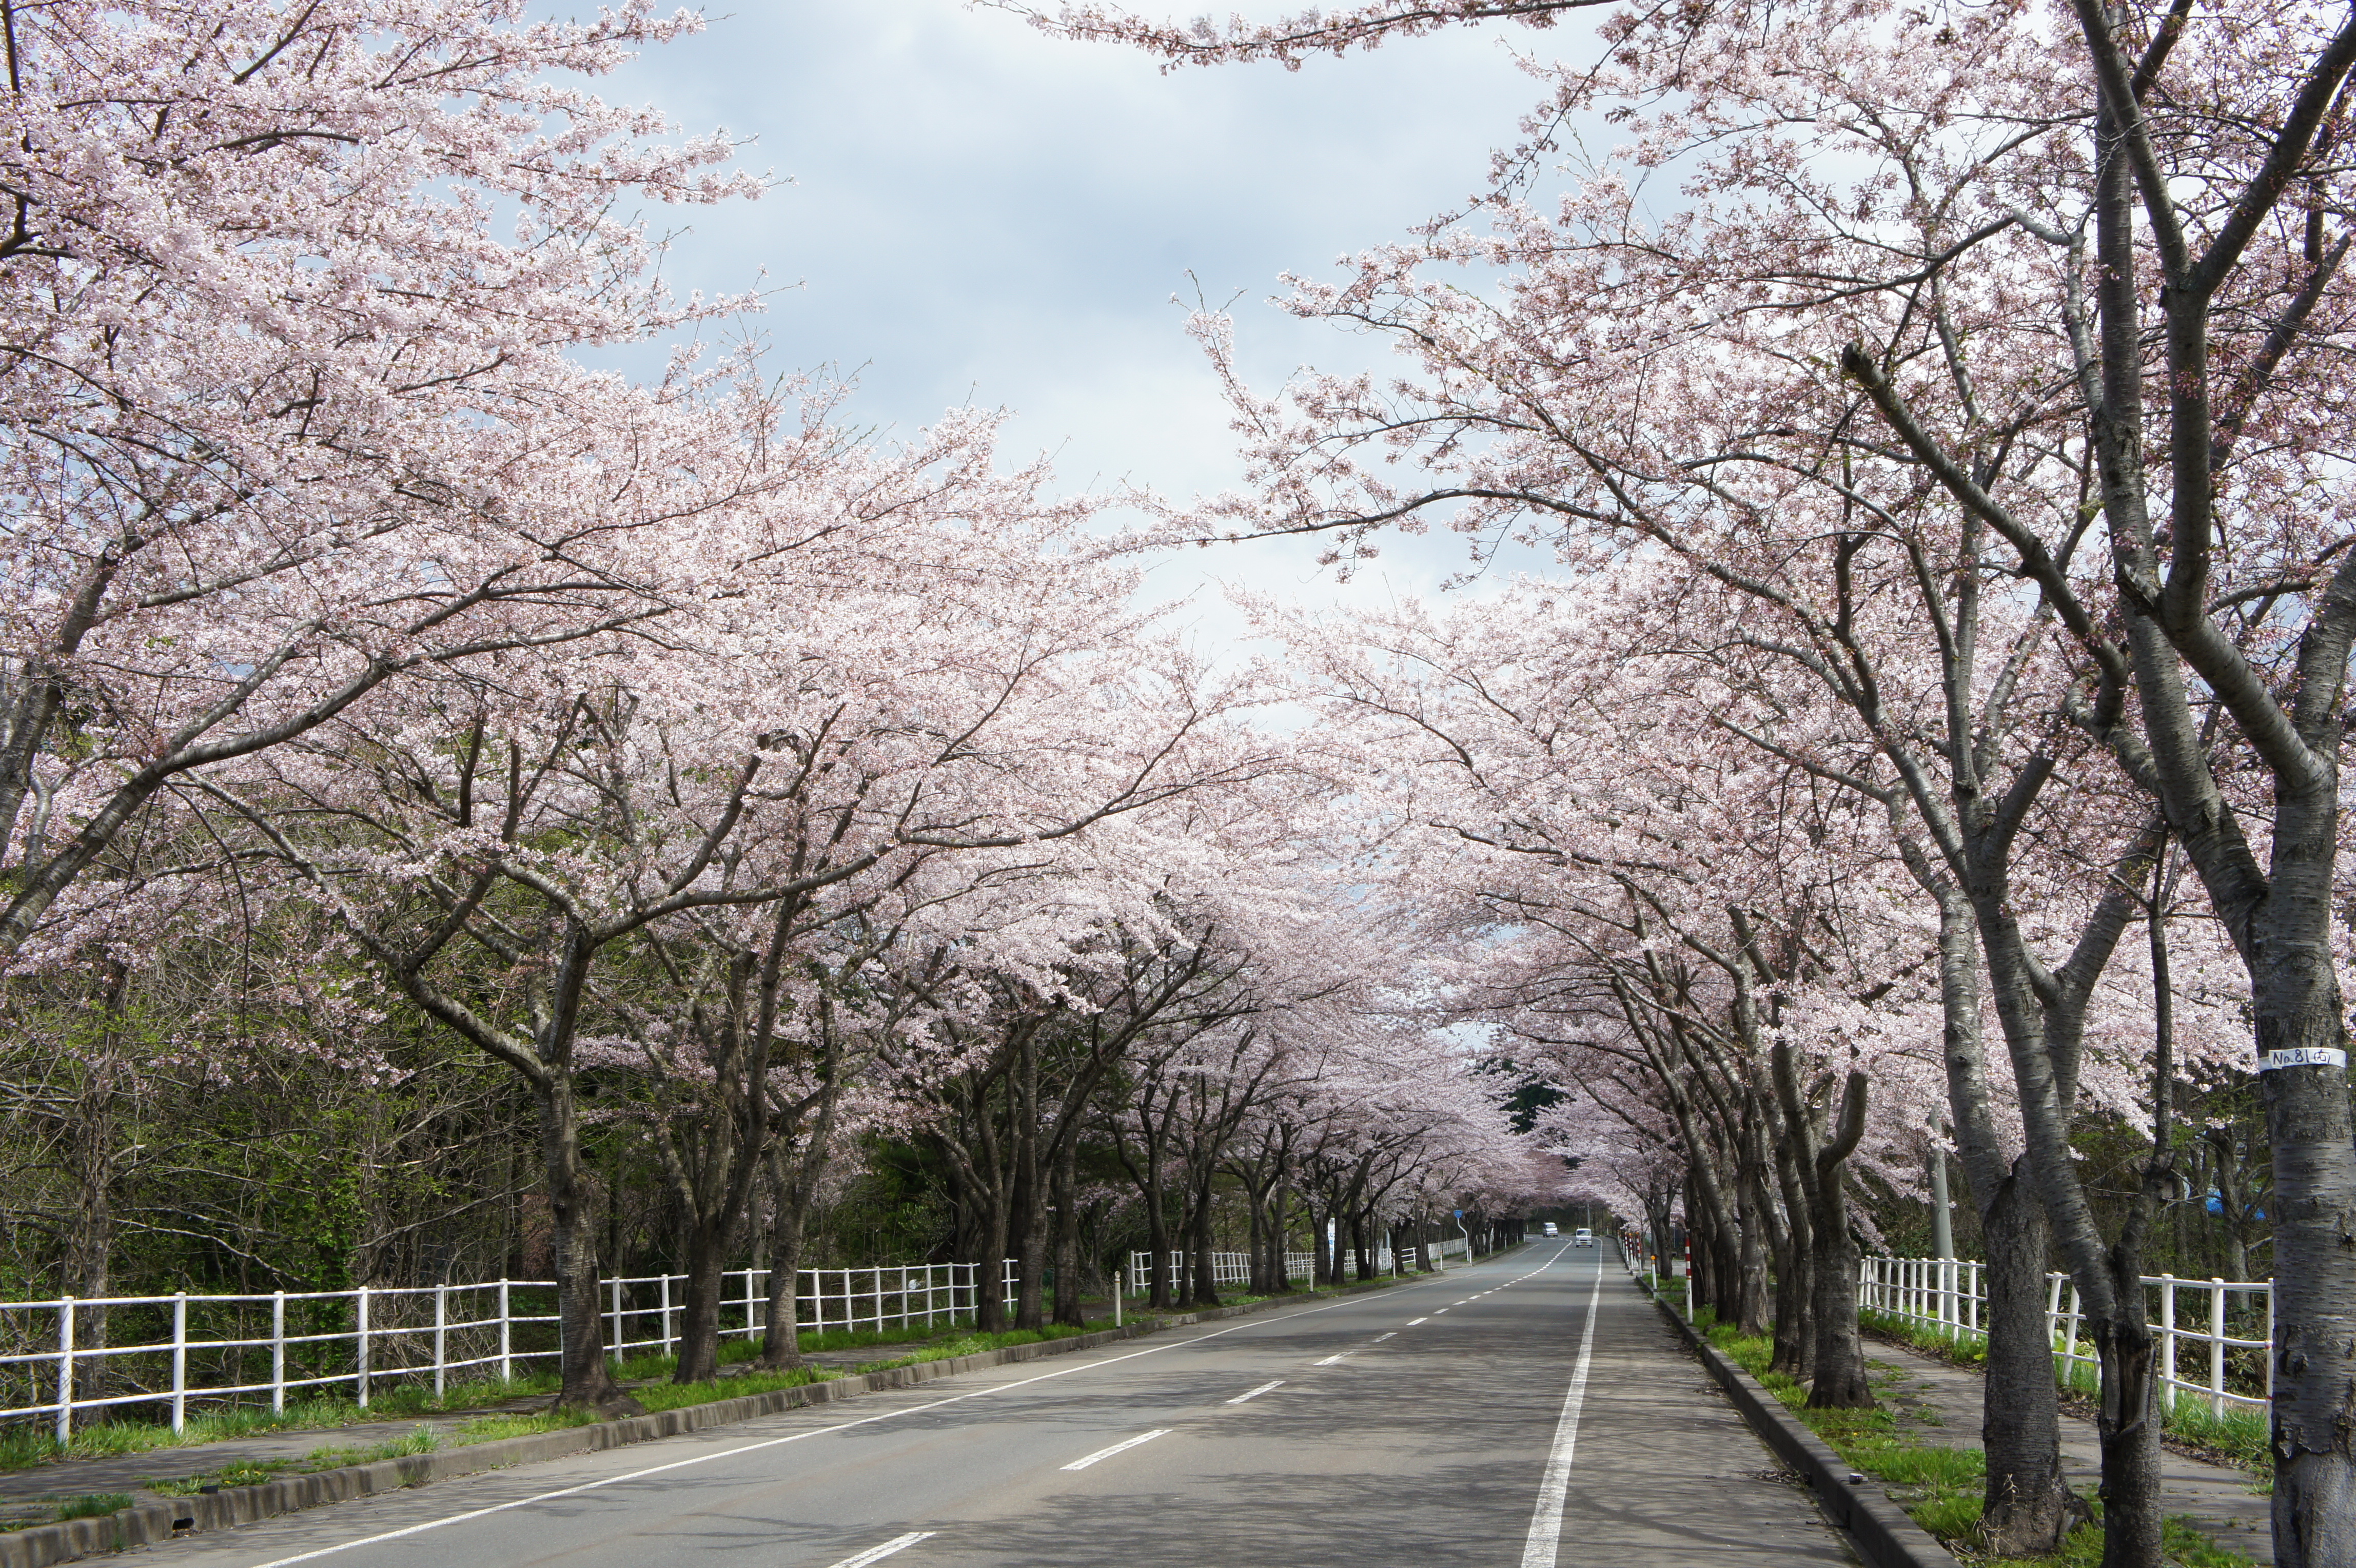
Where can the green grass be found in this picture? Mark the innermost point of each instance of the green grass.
(1942, 1488)
(245, 1473)
(2239, 1436)
(94, 1504)
(491, 1428)
(23, 1448)
(422, 1441)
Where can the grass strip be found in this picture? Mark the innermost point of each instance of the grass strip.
(2238, 1436)
(1942, 1488)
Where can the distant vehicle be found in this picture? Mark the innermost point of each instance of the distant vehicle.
(1582, 1237)
(1550, 1230)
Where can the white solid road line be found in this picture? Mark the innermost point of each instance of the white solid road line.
(789, 1437)
(1546, 1521)
(1254, 1393)
(877, 1554)
(1118, 1447)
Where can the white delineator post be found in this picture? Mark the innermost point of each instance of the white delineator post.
(506, 1340)
(441, 1335)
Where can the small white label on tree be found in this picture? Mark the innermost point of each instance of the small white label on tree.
(2304, 1056)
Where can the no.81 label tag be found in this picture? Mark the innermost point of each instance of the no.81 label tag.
(2304, 1056)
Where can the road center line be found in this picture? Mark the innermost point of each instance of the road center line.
(1254, 1393)
(1413, 1321)
(1380, 1338)
(1546, 1521)
(877, 1554)
(1331, 1359)
(1118, 1447)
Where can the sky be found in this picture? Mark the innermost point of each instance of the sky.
(978, 213)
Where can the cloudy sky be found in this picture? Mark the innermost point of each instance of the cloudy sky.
(980, 213)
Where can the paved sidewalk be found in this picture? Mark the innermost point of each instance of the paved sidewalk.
(2217, 1496)
(21, 1490)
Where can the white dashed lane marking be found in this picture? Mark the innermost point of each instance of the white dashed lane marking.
(1118, 1447)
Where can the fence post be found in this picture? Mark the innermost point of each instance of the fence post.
(2268, 1359)
(506, 1339)
(2168, 1341)
(278, 1353)
(181, 1361)
(662, 1295)
(363, 1335)
(441, 1334)
(2217, 1345)
(2076, 1311)
(65, 1369)
(614, 1340)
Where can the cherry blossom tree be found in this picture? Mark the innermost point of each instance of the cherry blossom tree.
(284, 419)
(1922, 338)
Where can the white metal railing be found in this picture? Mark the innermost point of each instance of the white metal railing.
(1227, 1268)
(1949, 1295)
(854, 1299)
(1453, 1247)
(193, 1348)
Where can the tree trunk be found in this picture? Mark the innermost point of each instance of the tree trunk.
(1841, 1382)
(2029, 1505)
(796, 1168)
(1157, 1220)
(587, 1381)
(1750, 1314)
(699, 1343)
(1205, 1282)
(1069, 1308)
(1795, 1296)
(1280, 1275)
(1030, 1201)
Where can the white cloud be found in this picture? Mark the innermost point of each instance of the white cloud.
(980, 213)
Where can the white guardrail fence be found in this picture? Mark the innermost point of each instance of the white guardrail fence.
(1234, 1268)
(183, 1348)
(202, 1348)
(1950, 1296)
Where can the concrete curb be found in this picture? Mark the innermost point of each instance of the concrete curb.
(1884, 1535)
(147, 1524)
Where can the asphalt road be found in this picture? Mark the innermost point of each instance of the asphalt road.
(1531, 1409)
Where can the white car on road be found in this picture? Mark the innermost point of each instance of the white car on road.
(1582, 1237)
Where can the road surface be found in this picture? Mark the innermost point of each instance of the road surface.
(1531, 1409)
